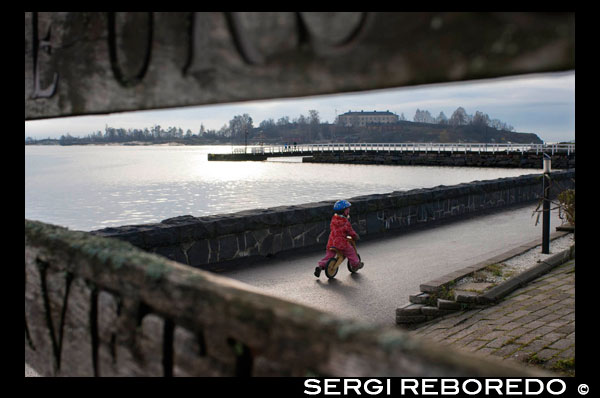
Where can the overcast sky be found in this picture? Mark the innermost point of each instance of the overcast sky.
(543, 104)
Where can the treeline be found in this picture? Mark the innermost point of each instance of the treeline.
(153, 135)
(460, 117)
(121, 135)
(241, 129)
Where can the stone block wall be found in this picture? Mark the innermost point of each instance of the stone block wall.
(201, 241)
(525, 160)
(97, 306)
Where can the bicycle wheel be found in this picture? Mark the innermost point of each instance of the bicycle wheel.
(331, 268)
(351, 268)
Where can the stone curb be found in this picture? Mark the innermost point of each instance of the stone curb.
(420, 307)
(501, 290)
(438, 284)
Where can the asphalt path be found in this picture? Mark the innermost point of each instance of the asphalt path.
(395, 265)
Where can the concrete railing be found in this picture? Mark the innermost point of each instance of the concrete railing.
(96, 306)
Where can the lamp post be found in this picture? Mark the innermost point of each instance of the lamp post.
(546, 205)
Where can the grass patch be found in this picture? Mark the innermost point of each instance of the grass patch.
(494, 269)
(446, 292)
(534, 359)
(564, 364)
(480, 276)
(508, 274)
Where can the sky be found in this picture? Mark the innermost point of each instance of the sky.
(543, 104)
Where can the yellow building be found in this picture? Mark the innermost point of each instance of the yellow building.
(363, 118)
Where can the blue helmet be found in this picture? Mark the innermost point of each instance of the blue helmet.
(341, 205)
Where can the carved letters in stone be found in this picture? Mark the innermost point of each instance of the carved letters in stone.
(39, 47)
(134, 23)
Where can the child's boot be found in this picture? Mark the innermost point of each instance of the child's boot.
(318, 271)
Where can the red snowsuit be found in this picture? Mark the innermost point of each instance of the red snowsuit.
(340, 228)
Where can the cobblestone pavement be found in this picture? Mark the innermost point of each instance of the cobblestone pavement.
(534, 324)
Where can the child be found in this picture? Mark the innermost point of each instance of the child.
(340, 228)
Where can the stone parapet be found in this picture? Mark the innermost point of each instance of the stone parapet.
(203, 241)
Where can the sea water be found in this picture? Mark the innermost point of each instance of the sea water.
(90, 187)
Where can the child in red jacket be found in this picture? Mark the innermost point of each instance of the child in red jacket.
(340, 228)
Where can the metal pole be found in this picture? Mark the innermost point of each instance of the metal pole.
(546, 207)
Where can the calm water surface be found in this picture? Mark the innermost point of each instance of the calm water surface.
(92, 187)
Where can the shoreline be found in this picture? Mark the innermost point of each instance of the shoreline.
(134, 143)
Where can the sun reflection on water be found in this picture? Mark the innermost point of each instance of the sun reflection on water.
(91, 187)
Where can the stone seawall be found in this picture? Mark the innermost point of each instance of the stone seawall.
(203, 241)
(525, 160)
(236, 156)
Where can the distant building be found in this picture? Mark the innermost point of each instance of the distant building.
(363, 118)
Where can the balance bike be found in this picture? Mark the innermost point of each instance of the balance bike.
(333, 264)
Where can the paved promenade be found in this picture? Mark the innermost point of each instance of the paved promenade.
(534, 324)
(395, 265)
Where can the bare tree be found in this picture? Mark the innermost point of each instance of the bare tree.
(423, 116)
(480, 119)
(313, 117)
(240, 125)
(459, 117)
(441, 119)
(282, 121)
